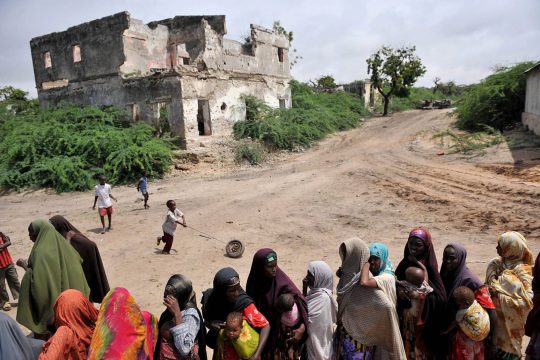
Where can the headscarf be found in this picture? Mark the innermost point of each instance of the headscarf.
(14, 344)
(429, 260)
(92, 265)
(381, 251)
(182, 289)
(53, 266)
(265, 291)
(379, 325)
(533, 320)
(74, 319)
(322, 311)
(435, 304)
(123, 331)
(461, 276)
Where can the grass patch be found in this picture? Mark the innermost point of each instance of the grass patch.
(313, 115)
(65, 148)
(247, 150)
(469, 143)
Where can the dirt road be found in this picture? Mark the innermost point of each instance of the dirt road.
(376, 182)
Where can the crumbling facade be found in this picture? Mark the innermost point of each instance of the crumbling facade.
(531, 116)
(179, 73)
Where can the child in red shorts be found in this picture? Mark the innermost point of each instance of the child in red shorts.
(169, 225)
(103, 198)
(7, 272)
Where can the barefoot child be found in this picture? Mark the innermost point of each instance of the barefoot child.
(7, 272)
(103, 198)
(142, 186)
(169, 226)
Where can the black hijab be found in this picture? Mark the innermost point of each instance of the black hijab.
(216, 307)
(181, 288)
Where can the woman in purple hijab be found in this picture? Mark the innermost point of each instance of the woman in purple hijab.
(455, 273)
(266, 282)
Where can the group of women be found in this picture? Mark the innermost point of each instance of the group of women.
(369, 320)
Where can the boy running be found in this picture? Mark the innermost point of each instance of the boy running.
(7, 272)
(103, 198)
(169, 226)
(142, 186)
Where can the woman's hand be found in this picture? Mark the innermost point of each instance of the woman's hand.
(297, 334)
(402, 293)
(22, 263)
(215, 325)
(172, 305)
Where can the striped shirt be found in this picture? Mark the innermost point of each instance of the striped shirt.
(5, 258)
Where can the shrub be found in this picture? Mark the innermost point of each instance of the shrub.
(468, 143)
(313, 115)
(251, 151)
(65, 148)
(497, 101)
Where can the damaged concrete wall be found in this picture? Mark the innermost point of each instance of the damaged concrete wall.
(531, 116)
(183, 64)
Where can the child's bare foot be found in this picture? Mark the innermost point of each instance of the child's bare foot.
(109, 228)
(6, 307)
(103, 231)
(165, 253)
(158, 240)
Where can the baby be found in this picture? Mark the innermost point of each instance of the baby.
(417, 287)
(238, 333)
(471, 318)
(290, 320)
(167, 349)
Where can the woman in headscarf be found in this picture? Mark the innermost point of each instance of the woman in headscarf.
(74, 320)
(89, 252)
(322, 310)
(509, 278)
(52, 267)
(14, 344)
(425, 341)
(368, 326)
(532, 326)
(182, 322)
(123, 331)
(454, 274)
(227, 296)
(266, 282)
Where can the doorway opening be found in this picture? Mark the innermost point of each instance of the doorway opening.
(204, 124)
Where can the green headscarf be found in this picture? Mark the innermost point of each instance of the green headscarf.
(53, 266)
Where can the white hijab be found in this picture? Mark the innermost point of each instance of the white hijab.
(322, 311)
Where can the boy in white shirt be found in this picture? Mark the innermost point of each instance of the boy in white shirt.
(169, 226)
(103, 198)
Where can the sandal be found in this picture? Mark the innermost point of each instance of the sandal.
(158, 240)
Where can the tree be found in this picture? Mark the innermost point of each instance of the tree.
(15, 100)
(394, 71)
(279, 29)
(326, 82)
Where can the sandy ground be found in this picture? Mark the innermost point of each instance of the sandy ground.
(376, 182)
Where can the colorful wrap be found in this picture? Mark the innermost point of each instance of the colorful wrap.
(123, 331)
(474, 322)
(245, 345)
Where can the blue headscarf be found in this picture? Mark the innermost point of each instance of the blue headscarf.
(381, 251)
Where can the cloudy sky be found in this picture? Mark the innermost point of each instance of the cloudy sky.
(459, 40)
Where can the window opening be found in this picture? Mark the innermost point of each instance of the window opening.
(204, 124)
(280, 53)
(76, 53)
(47, 59)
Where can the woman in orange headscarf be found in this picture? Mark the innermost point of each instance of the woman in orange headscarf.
(74, 319)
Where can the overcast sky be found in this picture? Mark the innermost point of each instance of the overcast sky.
(459, 40)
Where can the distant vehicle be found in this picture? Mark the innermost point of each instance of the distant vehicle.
(437, 104)
(425, 105)
(442, 104)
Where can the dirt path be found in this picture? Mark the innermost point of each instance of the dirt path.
(376, 182)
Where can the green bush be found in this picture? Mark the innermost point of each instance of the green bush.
(414, 97)
(65, 148)
(313, 115)
(251, 151)
(497, 101)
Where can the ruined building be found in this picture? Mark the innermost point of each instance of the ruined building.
(179, 73)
